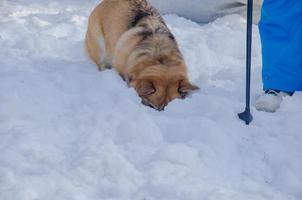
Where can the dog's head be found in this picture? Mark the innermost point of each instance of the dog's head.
(160, 88)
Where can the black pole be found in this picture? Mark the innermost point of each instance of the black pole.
(246, 115)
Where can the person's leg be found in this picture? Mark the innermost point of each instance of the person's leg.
(281, 36)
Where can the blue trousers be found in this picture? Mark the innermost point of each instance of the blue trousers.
(281, 37)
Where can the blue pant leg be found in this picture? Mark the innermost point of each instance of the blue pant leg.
(281, 36)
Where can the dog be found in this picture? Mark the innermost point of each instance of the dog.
(132, 37)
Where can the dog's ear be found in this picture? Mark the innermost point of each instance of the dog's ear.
(145, 88)
(185, 87)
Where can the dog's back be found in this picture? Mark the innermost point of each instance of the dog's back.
(112, 18)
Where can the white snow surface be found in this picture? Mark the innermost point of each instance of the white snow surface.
(68, 131)
(206, 10)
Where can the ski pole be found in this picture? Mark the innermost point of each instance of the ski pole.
(246, 116)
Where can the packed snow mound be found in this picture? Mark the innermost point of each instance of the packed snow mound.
(68, 131)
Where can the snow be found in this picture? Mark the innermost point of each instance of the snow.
(68, 131)
(206, 10)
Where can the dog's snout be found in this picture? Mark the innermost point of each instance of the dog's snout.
(162, 108)
(158, 108)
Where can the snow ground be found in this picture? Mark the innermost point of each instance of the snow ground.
(70, 132)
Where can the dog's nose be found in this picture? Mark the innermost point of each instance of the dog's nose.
(162, 108)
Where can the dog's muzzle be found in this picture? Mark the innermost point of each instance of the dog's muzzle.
(162, 108)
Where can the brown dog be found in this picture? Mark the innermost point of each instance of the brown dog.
(131, 36)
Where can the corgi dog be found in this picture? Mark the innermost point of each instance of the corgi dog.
(132, 37)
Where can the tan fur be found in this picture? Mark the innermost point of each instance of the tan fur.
(131, 36)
